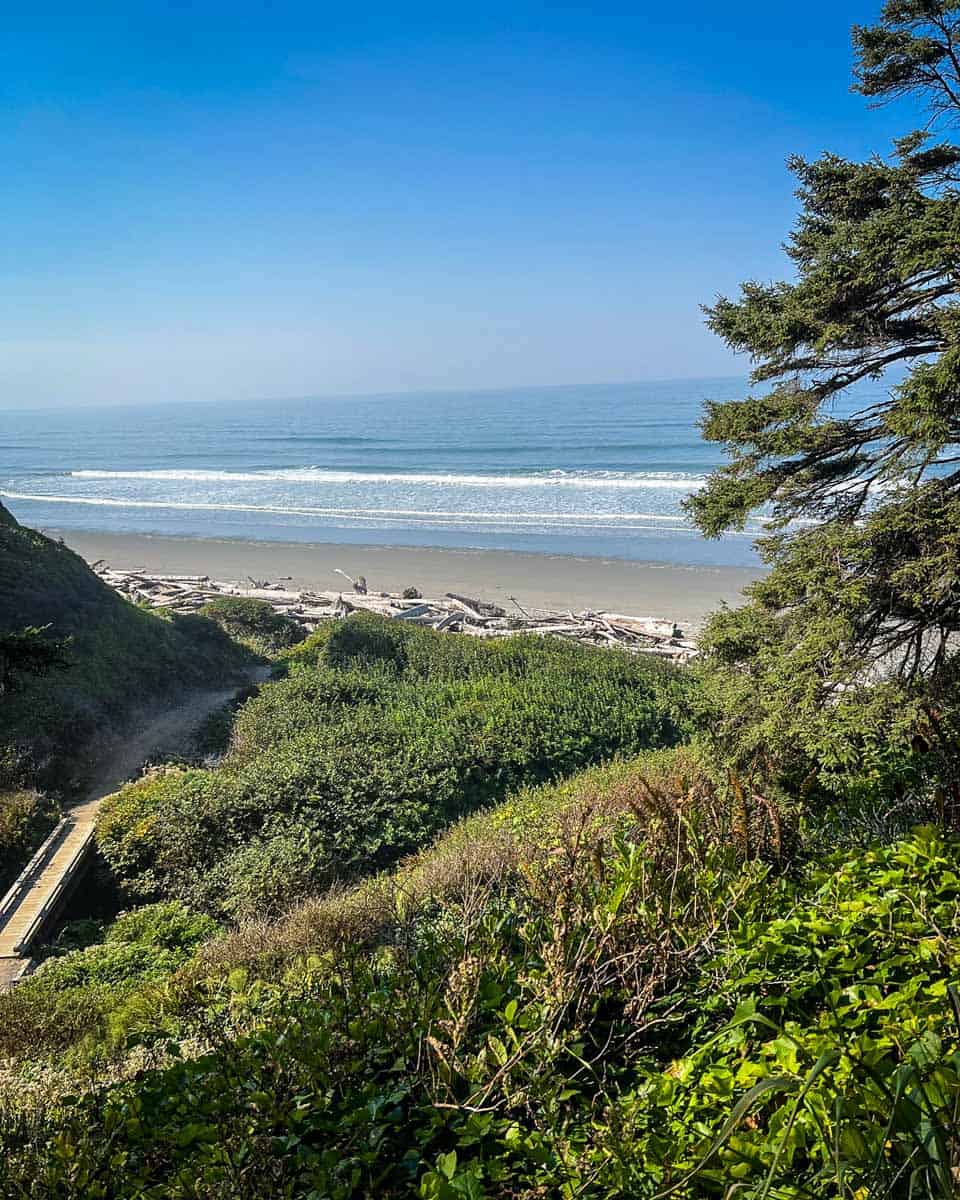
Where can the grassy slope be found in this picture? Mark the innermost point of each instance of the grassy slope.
(120, 656)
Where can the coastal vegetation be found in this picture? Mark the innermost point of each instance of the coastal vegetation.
(449, 918)
(254, 624)
(589, 990)
(76, 663)
(378, 736)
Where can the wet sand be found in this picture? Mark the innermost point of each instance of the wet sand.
(536, 581)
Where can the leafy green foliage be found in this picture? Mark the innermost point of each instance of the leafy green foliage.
(380, 735)
(643, 1022)
(168, 926)
(80, 993)
(767, 713)
(832, 1039)
(254, 624)
(26, 817)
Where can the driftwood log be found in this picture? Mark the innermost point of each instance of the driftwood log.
(453, 612)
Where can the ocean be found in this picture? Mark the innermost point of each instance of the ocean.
(581, 470)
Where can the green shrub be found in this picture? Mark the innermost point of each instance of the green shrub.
(26, 817)
(365, 642)
(128, 823)
(74, 995)
(107, 963)
(831, 1033)
(254, 624)
(876, 752)
(169, 926)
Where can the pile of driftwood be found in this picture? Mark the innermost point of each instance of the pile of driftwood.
(452, 612)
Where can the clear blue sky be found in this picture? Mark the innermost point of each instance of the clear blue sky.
(213, 200)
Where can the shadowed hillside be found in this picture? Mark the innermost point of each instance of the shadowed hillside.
(117, 658)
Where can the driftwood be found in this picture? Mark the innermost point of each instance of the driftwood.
(453, 613)
(359, 584)
(477, 608)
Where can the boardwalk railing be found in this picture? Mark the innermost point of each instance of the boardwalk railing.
(57, 893)
(29, 880)
(22, 883)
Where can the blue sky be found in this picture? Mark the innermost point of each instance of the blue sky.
(213, 200)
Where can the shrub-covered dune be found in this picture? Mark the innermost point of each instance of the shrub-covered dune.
(380, 735)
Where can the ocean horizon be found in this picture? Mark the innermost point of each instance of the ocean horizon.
(597, 471)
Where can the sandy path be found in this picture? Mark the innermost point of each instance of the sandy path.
(164, 732)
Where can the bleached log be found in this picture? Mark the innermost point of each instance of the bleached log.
(661, 651)
(448, 622)
(268, 594)
(412, 614)
(477, 608)
(179, 578)
(651, 626)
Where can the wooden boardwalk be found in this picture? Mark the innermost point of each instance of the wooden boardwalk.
(38, 893)
(40, 890)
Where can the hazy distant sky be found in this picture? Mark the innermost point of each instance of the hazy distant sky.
(210, 200)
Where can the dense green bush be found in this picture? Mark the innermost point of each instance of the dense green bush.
(380, 735)
(168, 926)
(80, 993)
(254, 624)
(831, 1033)
(26, 817)
(877, 746)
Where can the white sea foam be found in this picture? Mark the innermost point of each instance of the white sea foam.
(558, 520)
(638, 480)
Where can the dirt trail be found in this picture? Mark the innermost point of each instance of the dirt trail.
(165, 732)
(20, 913)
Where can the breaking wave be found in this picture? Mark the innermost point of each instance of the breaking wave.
(582, 520)
(637, 480)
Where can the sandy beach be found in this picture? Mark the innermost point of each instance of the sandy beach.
(686, 594)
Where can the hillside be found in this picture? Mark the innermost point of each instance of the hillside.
(116, 661)
(449, 918)
(585, 991)
(378, 736)
(118, 656)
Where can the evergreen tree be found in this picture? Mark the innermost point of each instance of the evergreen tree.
(29, 652)
(864, 502)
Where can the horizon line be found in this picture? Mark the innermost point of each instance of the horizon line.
(376, 395)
